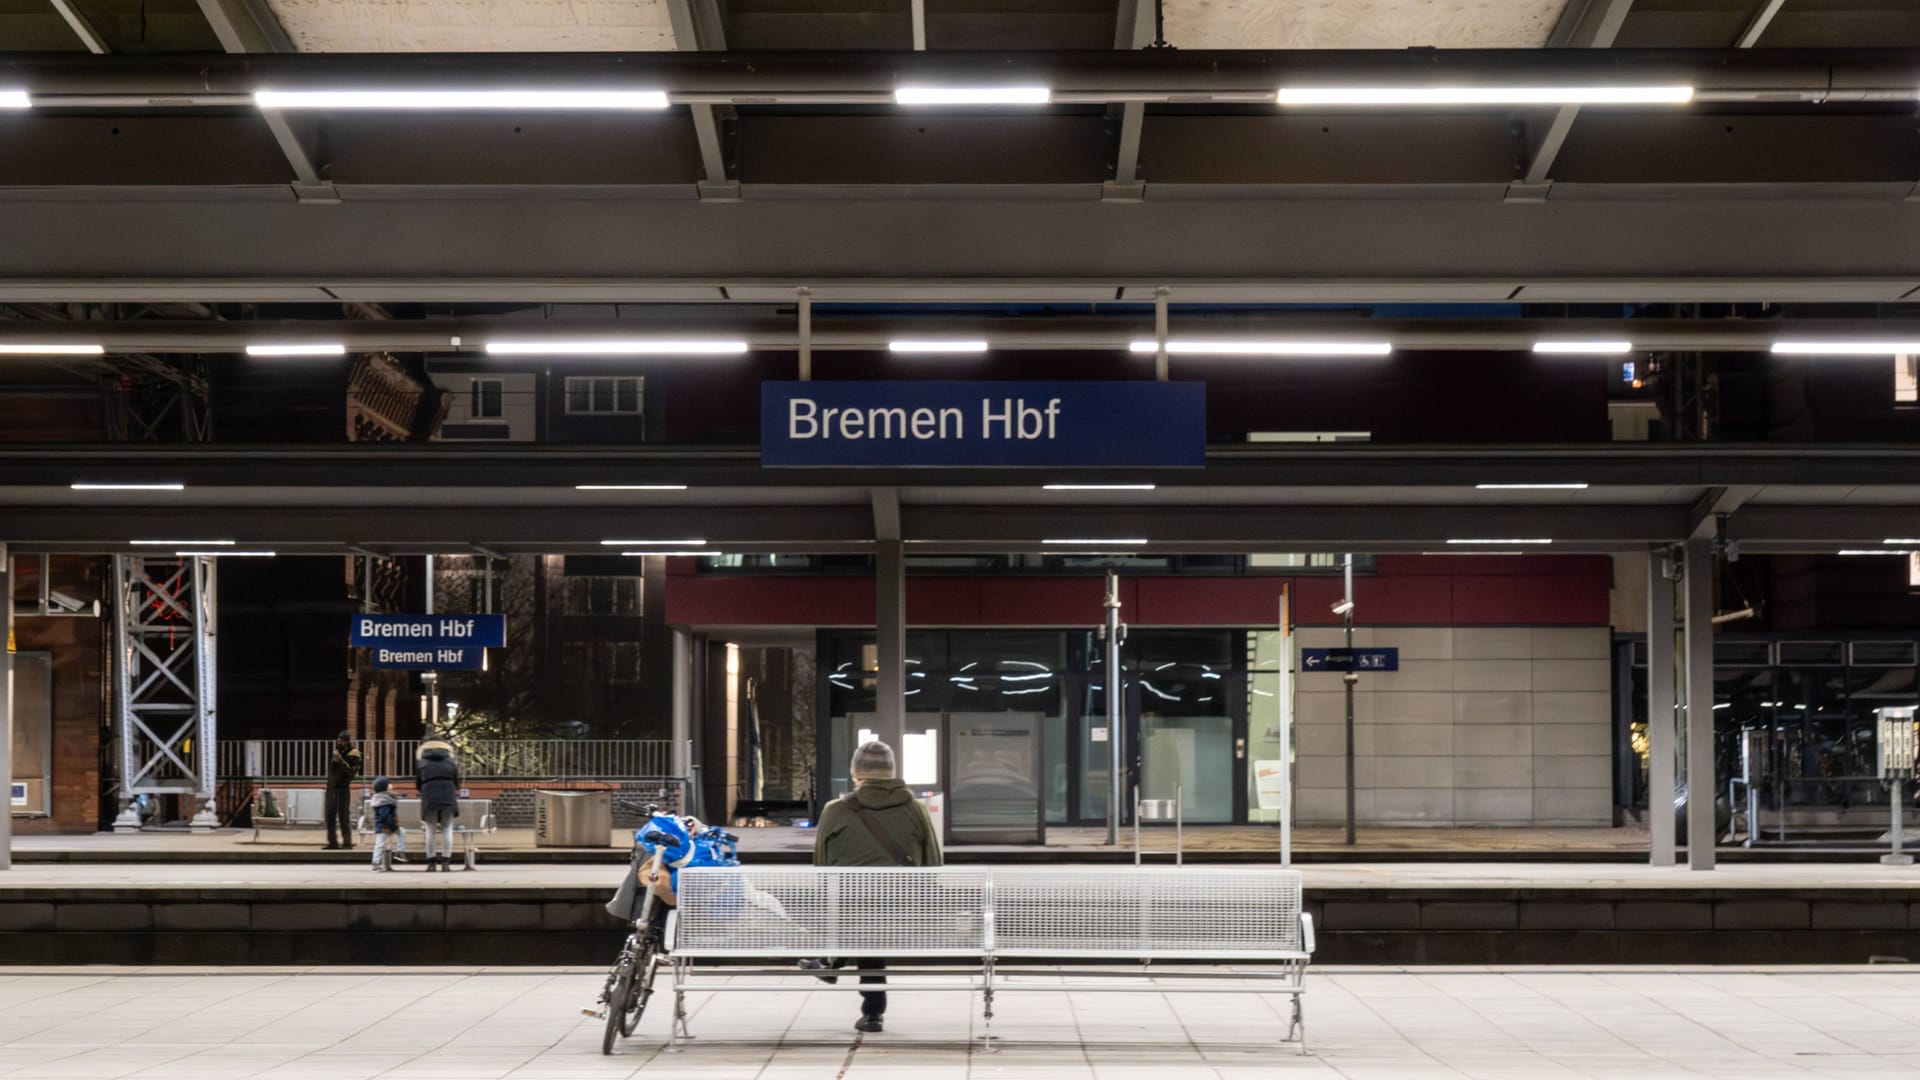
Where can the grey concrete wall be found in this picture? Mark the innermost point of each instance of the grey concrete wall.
(1480, 726)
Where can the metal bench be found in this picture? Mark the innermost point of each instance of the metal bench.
(476, 819)
(299, 808)
(994, 930)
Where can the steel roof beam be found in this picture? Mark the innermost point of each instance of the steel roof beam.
(1596, 28)
(871, 334)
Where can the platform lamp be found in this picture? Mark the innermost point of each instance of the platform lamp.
(1899, 747)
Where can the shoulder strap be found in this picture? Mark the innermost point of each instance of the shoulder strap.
(887, 843)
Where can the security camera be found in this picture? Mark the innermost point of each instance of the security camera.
(71, 605)
(1342, 606)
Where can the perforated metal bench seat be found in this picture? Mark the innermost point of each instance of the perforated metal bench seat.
(475, 820)
(983, 928)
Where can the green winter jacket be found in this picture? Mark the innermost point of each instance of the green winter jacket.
(342, 767)
(841, 840)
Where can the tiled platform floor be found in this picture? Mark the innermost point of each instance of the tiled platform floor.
(1524, 1024)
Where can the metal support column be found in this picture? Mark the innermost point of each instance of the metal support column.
(682, 717)
(1350, 681)
(6, 703)
(1160, 333)
(164, 621)
(1702, 784)
(430, 680)
(890, 636)
(1114, 632)
(1661, 743)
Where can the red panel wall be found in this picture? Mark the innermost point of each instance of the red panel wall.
(1406, 591)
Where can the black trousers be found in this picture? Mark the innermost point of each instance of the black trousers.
(872, 1002)
(339, 805)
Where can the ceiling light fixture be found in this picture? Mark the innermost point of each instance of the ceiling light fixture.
(1583, 348)
(1901, 540)
(222, 554)
(692, 347)
(1845, 348)
(315, 348)
(652, 543)
(1130, 542)
(461, 99)
(629, 487)
(672, 554)
(1531, 487)
(1475, 540)
(1873, 551)
(1098, 487)
(1484, 95)
(15, 99)
(932, 346)
(181, 543)
(1190, 347)
(972, 95)
(128, 487)
(49, 349)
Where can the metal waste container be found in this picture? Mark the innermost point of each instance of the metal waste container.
(572, 819)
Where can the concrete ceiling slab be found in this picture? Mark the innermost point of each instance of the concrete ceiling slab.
(1360, 24)
(382, 26)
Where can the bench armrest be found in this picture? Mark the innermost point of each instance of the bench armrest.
(487, 824)
(673, 923)
(1306, 932)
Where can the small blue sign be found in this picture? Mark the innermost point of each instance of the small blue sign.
(418, 632)
(1350, 659)
(422, 658)
(909, 424)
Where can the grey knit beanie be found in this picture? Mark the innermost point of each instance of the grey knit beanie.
(873, 761)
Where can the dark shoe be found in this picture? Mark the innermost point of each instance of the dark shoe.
(868, 1024)
(818, 966)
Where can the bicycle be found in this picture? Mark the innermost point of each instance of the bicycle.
(630, 981)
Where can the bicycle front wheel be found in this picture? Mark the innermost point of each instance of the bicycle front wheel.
(644, 970)
(617, 998)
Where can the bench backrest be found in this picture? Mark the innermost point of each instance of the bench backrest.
(1089, 912)
(1166, 912)
(407, 812)
(805, 911)
(299, 805)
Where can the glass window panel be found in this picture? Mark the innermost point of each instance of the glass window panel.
(627, 395)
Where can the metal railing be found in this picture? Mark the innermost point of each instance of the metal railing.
(480, 759)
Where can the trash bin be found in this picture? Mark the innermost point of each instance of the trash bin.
(572, 819)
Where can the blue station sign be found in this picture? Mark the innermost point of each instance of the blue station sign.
(1350, 659)
(429, 642)
(905, 424)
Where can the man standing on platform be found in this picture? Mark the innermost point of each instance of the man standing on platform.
(342, 767)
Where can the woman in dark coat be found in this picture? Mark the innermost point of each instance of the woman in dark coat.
(437, 776)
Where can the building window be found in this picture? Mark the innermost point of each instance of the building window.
(1906, 379)
(603, 396)
(485, 399)
(603, 596)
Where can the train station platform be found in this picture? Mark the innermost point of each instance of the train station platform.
(1553, 1023)
(1367, 912)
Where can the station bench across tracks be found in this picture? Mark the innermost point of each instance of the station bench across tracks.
(994, 930)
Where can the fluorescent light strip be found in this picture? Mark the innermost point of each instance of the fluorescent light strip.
(15, 99)
(1132, 542)
(653, 543)
(1497, 541)
(181, 543)
(1476, 554)
(1097, 487)
(128, 487)
(1190, 347)
(461, 99)
(1583, 348)
(1873, 551)
(1845, 348)
(1484, 95)
(50, 349)
(1901, 540)
(317, 348)
(225, 553)
(1530, 487)
(674, 554)
(928, 346)
(616, 348)
(972, 95)
(629, 487)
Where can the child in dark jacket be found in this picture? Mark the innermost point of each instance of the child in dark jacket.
(388, 840)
